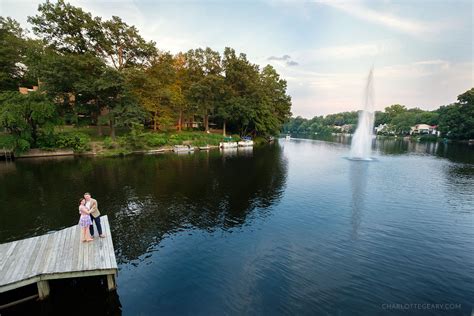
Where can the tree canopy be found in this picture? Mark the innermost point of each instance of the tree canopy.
(105, 71)
(454, 121)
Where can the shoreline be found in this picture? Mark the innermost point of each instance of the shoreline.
(38, 153)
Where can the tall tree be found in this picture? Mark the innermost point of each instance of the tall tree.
(69, 29)
(456, 121)
(122, 46)
(12, 45)
(66, 28)
(156, 90)
(205, 76)
(25, 116)
(179, 88)
(276, 105)
(243, 81)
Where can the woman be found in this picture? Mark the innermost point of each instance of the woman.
(84, 221)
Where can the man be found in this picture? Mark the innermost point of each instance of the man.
(92, 205)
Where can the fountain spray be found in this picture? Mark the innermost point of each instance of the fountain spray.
(361, 146)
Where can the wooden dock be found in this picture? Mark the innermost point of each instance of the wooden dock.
(7, 154)
(57, 255)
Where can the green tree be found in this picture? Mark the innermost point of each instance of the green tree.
(456, 121)
(243, 81)
(380, 118)
(394, 110)
(205, 81)
(26, 116)
(122, 46)
(467, 98)
(275, 108)
(156, 90)
(12, 47)
(66, 28)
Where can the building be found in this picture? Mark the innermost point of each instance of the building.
(381, 128)
(424, 129)
(25, 90)
(346, 128)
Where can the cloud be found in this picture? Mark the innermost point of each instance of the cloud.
(343, 51)
(426, 84)
(284, 57)
(382, 18)
(285, 60)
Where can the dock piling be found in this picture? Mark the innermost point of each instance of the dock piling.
(43, 289)
(111, 282)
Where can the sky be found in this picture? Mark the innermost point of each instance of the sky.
(421, 50)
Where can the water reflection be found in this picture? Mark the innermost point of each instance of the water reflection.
(6, 167)
(358, 178)
(146, 197)
(196, 192)
(456, 152)
(227, 236)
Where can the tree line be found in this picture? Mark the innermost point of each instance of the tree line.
(454, 121)
(106, 73)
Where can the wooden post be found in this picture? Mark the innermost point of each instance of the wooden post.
(111, 282)
(43, 289)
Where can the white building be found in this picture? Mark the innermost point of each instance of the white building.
(424, 129)
(380, 128)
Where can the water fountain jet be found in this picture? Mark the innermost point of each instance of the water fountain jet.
(361, 146)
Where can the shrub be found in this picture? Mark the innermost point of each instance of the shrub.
(76, 141)
(7, 141)
(155, 140)
(47, 141)
(175, 139)
(428, 138)
(109, 143)
(14, 142)
(136, 138)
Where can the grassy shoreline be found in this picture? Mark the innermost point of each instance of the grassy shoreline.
(84, 141)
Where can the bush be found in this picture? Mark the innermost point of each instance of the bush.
(15, 143)
(109, 143)
(155, 140)
(428, 138)
(47, 141)
(21, 145)
(7, 141)
(76, 141)
(136, 138)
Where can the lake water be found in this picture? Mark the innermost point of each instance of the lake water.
(289, 228)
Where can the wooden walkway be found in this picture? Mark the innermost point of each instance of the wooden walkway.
(56, 256)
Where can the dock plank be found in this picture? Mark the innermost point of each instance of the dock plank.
(10, 263)
(57, 255)
(49, 268)
(39, 256)
(31, 259)
(7, 250)
(58, 266)
(13, 262)
(22, 257)
(111, 253)
(75, 251)
(105, 263)
(70, 250)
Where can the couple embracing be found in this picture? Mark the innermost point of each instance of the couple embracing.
(89, 213)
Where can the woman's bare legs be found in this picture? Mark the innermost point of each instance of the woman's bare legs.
(83, 234)
(88, 234)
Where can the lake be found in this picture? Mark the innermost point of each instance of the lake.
(288, 228)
